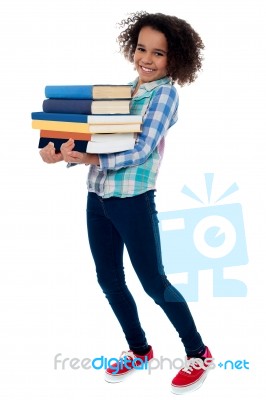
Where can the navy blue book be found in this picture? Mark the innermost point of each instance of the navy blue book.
(67, 106)
(99, 144)
(74, 106)
(80, 145)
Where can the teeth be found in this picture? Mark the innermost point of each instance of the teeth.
(147, 69)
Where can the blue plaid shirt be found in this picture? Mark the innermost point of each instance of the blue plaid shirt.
(132, 172)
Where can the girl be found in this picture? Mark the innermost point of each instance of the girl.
(121, 190)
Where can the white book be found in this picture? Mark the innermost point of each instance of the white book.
(111, 143)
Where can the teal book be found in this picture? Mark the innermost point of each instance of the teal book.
(91, 119)
(90, 92)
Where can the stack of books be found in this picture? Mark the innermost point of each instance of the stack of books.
(97, 117)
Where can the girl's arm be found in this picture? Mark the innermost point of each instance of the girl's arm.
(161, 114)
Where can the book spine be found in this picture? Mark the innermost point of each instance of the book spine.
(80, 145)
(69, 92)
(83, 127)
(67, 106)
(92, 119)
(61, 126)
(65, 135)
(59, 117)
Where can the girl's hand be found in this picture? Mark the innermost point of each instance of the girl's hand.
(71, 156)
(49, 155)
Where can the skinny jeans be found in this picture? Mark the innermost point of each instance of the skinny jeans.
(132, 222)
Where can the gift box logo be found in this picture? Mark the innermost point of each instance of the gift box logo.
(208, 237)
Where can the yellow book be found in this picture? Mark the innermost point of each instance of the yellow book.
(81, 127)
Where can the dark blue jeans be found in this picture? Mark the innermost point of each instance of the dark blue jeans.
(132, 221)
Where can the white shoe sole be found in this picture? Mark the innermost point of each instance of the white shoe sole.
(116, 378)
(113, 378)
(189, 388)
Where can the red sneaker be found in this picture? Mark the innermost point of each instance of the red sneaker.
(128, 363)
(193, 375)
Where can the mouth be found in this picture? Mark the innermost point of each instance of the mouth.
(145, 69)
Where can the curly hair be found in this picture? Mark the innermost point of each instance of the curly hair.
(184, 56)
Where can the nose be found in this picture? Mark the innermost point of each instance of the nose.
(147, 58)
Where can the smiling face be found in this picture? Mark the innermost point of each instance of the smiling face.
(150, 57)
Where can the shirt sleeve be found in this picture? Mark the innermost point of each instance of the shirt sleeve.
(160, 116)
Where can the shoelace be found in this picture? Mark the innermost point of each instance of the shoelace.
(127, 354)
(190, 365)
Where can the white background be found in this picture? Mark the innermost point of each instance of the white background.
(50, 300)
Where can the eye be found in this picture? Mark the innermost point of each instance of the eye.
(139, 48)
(159, 54)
